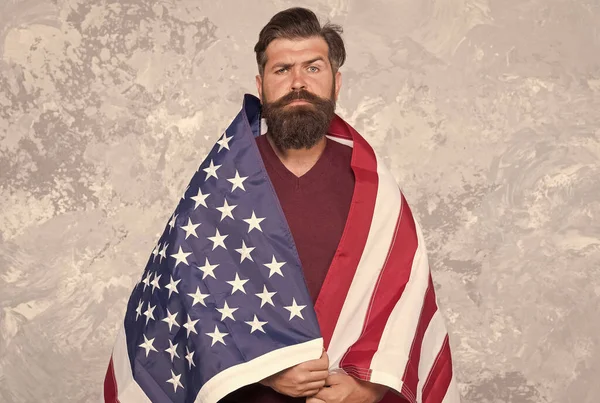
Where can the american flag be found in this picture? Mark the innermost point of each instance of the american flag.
(222, 302)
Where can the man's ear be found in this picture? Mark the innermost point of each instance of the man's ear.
(259, 87)
(338, 84)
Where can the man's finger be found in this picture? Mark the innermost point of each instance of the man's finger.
(314, 376)
(309, 389)
(315, 365)
(313, 399)
(326, 394)
(316, 386)
(334, 379)
(324, 358)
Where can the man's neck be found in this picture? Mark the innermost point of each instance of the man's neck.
(299, 161)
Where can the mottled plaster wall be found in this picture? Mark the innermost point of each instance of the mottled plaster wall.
(487, 111)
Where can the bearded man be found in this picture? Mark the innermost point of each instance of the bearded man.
(363, 321)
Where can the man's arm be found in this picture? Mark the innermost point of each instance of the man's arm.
(302, 380)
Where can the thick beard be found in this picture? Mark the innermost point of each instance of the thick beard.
(298, 126)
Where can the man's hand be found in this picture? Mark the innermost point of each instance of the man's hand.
(304, 379)
(344, 388)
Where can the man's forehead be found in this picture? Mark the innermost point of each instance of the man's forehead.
(308, 48)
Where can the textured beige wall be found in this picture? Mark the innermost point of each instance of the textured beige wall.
(487, 112)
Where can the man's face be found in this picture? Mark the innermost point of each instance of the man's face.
(298, 91)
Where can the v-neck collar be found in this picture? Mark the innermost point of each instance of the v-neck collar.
(310, 176)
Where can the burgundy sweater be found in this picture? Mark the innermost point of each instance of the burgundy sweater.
(315, 206)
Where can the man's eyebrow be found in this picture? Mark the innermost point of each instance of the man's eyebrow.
(282, 65)
(316, 59)
(290, 65)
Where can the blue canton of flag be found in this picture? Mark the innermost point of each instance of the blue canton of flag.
(222, 302)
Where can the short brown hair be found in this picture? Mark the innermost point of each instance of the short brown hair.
(300, 23)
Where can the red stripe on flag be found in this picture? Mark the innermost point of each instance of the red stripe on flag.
(390, 286)
(352, 243)
(411, 372)
(440, 376)
(110, 385)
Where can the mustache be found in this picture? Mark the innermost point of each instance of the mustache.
(298, 95)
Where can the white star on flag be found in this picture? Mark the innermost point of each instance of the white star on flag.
(198, 297)
(227, 312)
(175, 381)
(172, 222)
(211, 170)
(200, 199)
(237, 284)
(189, 356)
(181, 257)
(254, 222)
(163, 252)
(266, 297)
(172, 350)
(275, 267)
(149, 314)
(217, 336)
(224, 142)
(208, 269)
(147, 345)
(245, 251)
(155, 283)
(226, 210)
(190, 228)
(146, 280)
(138, 310)
(190, 326)
(155, 251)
(295, 310)
(171, 319)
(172, 286)
(256, 325)
(218, 240)
(237, 181)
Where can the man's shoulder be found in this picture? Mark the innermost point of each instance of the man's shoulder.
(339, 149)
(263, 145)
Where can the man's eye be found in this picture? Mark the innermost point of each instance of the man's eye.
(281, 70)
(313, 69)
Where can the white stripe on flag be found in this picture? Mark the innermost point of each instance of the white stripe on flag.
(433, 339)
(127, 388)
(352, 316)
(389, 362)
(346, 142)
(452, 394)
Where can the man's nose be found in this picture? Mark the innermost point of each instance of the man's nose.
(298, 82)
